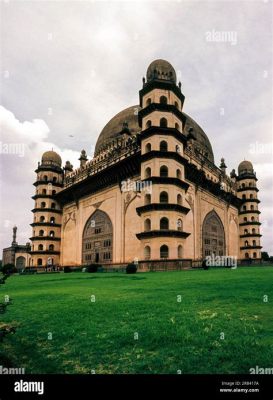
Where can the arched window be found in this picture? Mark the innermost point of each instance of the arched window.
(164, 197)
(148, 102)
(147, 225)
(246, 243)
(254, 242)
(42, 219)
(148, 172)
(176, 104)
(53, 205)
(178, 148)
(45, 178)
(164, 251)
(251, 207)
(244, 196)
(243, 185)
(163, 146)
(180, 251)
(147, 199)
(148, 147)
(43, 204)
(177, 126)
(252, 219)
(54, 179)
(179, 199)
(179, 225)
(178, 173)
(163, 123)
(52, 220)
(245, 219)
(148, 124)
(251, 196)
(246, 231)
(44, 191)
(41, 233)
(40, 262)
(163, 171)
(163, 100)
(244, 208)
(246, 255)
(147, 252)
(254, 255)
(51, 247)
(164, 223)
(40, 247)
(52, 233)
(253, 230)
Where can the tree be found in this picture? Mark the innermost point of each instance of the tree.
(265, 256)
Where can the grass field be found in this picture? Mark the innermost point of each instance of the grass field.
(137, 324)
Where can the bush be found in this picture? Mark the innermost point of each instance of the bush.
(92, 268)
(205, 264)
(8, 269)
(67, 269)
(131, 268)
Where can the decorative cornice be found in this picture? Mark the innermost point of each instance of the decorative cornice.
(51, 210)
(158, 130)
(46, 224)
(157, 180)
(42, 238)
(162, 207)
(157, 84)
(173, 155)
(57, 184)
(162, 233)
(160, 107)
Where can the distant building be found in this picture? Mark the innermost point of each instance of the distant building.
(151, 192)
(16, 254)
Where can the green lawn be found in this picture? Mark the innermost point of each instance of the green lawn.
(172, 335)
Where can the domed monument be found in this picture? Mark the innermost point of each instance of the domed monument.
(151, 193)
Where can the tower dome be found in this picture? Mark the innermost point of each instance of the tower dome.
(245, 167)
(162, 70)
(51, 157)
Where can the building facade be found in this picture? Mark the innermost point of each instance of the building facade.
(152, 191)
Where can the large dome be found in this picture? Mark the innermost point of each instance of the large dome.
(115, 126)
(161, 69)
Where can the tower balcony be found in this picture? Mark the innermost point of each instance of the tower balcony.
(162, 233)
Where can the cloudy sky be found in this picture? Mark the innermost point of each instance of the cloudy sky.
(68, 66)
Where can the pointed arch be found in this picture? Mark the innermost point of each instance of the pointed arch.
(213, 235)
(97, 239)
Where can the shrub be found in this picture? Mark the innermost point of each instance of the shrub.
(92, 268)
(67, 269)
(8, 269)
(131, 268)
(205, 264)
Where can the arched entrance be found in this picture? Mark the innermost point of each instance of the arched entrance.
(97, 241)
(20, 262)
(213, 234)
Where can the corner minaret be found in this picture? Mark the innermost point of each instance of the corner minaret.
(250, 246)
(162, 164)
(46, 236)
